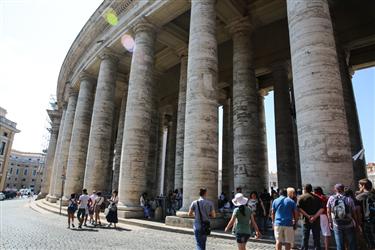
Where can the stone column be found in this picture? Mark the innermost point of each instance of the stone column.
(98, 172)
(227, 167)
(55, 117)
(181, 123)
(323, 138)
(138, 122)
(295, 138)
(201, 118)
(247, 171)
(162, 145)
(286, 167)
(76, 163)
(65, 143)
(171, 156)
(263, 152)
(152, 164)
(359, 166)
(50, 196)
(118, 145)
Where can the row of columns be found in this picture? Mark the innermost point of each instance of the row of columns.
(84, 141)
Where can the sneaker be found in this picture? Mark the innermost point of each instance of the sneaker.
(79, 226)
(85, 225)
(73, 226)
(68, 227)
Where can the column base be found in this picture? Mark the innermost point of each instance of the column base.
(183, 220)
(52, 199)
(130, 212)
(64, 201)
(41, 196)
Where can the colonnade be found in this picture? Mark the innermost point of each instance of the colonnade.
(323, 100)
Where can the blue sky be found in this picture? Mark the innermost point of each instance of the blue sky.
(35, 36)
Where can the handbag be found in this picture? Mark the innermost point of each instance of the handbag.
(106, 211)
(205, 225)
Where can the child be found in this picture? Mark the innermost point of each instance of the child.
(72, 207)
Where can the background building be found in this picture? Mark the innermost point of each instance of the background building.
(25, 170)
(7, 131)
(371, 172)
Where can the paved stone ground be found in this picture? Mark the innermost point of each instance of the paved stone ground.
(24, 228)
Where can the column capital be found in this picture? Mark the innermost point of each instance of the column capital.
(239, 25)
(143, 25)
(73, 92)
(263, 92)
(85, 76)
(182, 52)
(108, 54)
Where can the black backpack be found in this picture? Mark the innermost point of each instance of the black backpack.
(369, 207)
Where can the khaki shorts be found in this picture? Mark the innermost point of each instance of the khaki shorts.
(284, 234)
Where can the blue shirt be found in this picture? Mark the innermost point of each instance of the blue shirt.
(284, 208)
(206, 208)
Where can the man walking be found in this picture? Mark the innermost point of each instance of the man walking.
(341, 212)
(82, 207)
(202, 209)
(367, 198)
(311, 207)
(284, 217)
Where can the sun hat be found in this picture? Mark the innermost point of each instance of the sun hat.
(239, 200)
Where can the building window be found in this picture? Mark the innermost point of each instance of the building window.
(2, 148)
(12, 164)
(32, 180)
(5, 134)
(25, 172)
(17, 171)
(7, 185)
(10, 170)
(34, 172)
(24, 179)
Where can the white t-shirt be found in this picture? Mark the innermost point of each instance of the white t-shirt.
(93, 198)
(84, 200)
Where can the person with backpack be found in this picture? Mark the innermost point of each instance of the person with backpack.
(366, 196)
(202, 210)
(99, 201)
(310, 207)
(342, 218)
(243, 215)
(284, 217)
(72, 208)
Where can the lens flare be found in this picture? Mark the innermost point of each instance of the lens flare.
(111, 17)
(128, 42)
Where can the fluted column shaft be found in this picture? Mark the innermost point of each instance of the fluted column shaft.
(138, 118)
(50, 196)
(98, 172)
(247, 172)
(201, 119)
(118, 145)
(286, 167)
(263, 152)
(323, 138)
(65, 143)
(181, 124)
(50, 156)
(171, 155)
(227, 167)
(75, 171)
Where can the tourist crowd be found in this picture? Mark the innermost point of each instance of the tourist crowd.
(349, 216)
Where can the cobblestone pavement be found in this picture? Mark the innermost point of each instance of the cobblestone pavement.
(23, 228)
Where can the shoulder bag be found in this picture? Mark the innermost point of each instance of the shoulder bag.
(205, 225)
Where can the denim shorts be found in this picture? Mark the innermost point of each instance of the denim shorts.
(242, 238)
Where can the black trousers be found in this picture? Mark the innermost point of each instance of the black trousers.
(315, 228)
